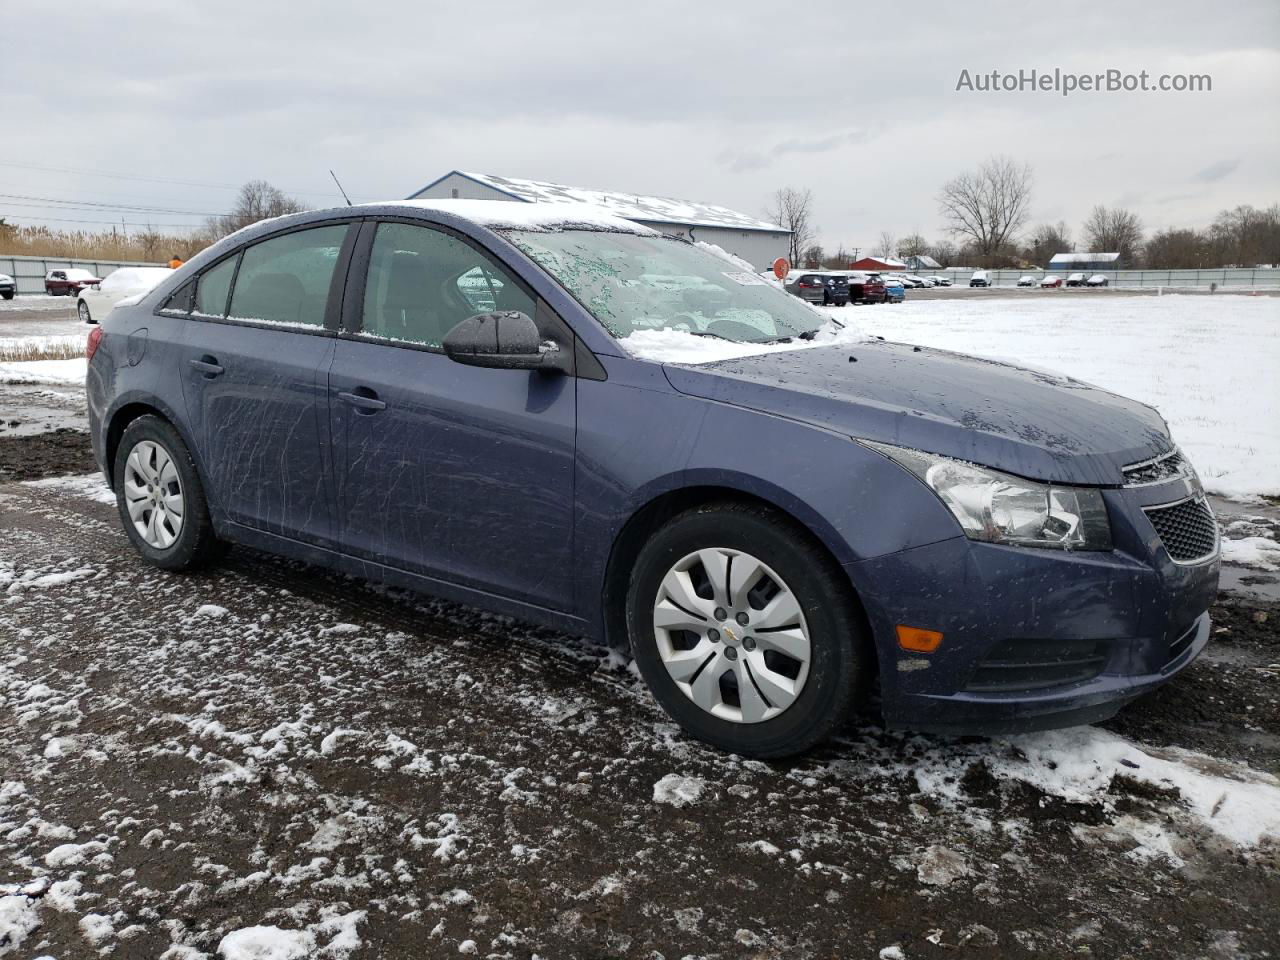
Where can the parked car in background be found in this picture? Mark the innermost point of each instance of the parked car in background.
(894, 291)
(979, 279)
(917, 282)
(940, 280)
(1051, 281)
(1026, 281)
(96, 302)
(68, 282)
(1097, 280)
(1048, 560)
(829, 289)
(1075, 280)
(8, 287)
(867, 288)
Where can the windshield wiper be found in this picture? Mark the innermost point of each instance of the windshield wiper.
(708, 333)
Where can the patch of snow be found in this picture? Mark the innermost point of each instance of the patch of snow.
(940, 865)
(1262, 553)
(267, 943)
(211, 610)
(510, 215)
(18, 918)
(1079, 764)
(680, 346)
(95, 927)
(71, 371)
(678, 791)
(91, 486)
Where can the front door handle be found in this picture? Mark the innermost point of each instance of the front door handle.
(208, 365)
(365, 401)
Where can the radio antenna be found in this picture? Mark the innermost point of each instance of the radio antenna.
(344, 193)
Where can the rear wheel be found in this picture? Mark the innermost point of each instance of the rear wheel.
(83, 310)
(160, 498)
(745, 631)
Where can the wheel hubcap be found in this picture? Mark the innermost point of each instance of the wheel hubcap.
(731, 634)
(153, 494)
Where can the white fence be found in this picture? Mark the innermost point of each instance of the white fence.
(29, 271)
(1230, 278)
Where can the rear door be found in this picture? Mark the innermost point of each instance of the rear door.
(256, 357)
(459, 473)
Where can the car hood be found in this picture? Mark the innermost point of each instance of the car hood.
(1038, 425)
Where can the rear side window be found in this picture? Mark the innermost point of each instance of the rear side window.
(213, 287)
(423, 282)
(180, 301)
(286, 279)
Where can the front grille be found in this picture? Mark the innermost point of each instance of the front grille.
(1187, 529)
(1168, 466)
(1019, 665)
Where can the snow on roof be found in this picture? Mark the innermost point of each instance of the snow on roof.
(1079, 257)
(629, 205)
(500, 214)
(925, 261)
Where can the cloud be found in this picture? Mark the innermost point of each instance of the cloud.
(740, 161)
(1216, 171)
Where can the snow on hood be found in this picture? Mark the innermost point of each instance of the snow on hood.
(679, 346)
(509, 214)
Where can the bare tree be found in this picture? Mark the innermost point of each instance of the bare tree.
(913, 245)
(1048, 239)
(988, 206)
(1176, 250)
(1114, 231)
(1246, 235)
(792, 210)
(257, 200)
(944, 251)
(887, 245)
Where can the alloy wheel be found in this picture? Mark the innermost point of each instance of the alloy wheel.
(731, 634)
(153, 494)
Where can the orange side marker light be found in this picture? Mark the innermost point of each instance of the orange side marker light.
(918, 640)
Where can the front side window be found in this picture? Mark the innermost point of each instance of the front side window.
(286, 279)
(423, 282)
(213, 287)
(633, 282)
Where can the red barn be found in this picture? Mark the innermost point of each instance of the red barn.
(879, 265)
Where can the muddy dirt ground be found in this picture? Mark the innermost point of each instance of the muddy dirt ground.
(191, 760)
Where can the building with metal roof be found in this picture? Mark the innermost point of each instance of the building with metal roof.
(1085, 261)
(756, 241)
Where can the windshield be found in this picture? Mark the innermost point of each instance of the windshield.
(632, 283)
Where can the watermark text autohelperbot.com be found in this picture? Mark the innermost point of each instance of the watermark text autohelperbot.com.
(1066, 83)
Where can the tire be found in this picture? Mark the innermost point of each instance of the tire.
(82, 309)
(818, 620)
(8, 294)
(184, 543)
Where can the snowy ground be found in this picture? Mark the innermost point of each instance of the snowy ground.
(1210, 365)
(267, 756)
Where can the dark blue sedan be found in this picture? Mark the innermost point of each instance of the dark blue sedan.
(568, 418)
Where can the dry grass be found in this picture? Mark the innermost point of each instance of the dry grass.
(41, 348)
(140, 246)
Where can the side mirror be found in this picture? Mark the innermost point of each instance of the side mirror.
(508, 340)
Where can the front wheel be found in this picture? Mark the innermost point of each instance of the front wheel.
(746, 631)
(160, 498)
(83, 310)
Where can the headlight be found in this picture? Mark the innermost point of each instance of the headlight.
(1001, 508)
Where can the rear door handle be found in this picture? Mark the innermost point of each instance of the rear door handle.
(209, 366)
(367, 402)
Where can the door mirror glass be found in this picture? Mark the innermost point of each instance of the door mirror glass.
(508, 340)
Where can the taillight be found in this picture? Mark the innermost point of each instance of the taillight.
(95, 338)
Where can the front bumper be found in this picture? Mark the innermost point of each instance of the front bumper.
(1035, 639)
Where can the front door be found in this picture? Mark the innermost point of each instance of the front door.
(254, 370)
(460, 473)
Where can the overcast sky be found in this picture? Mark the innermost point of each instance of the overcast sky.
(707, 101)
